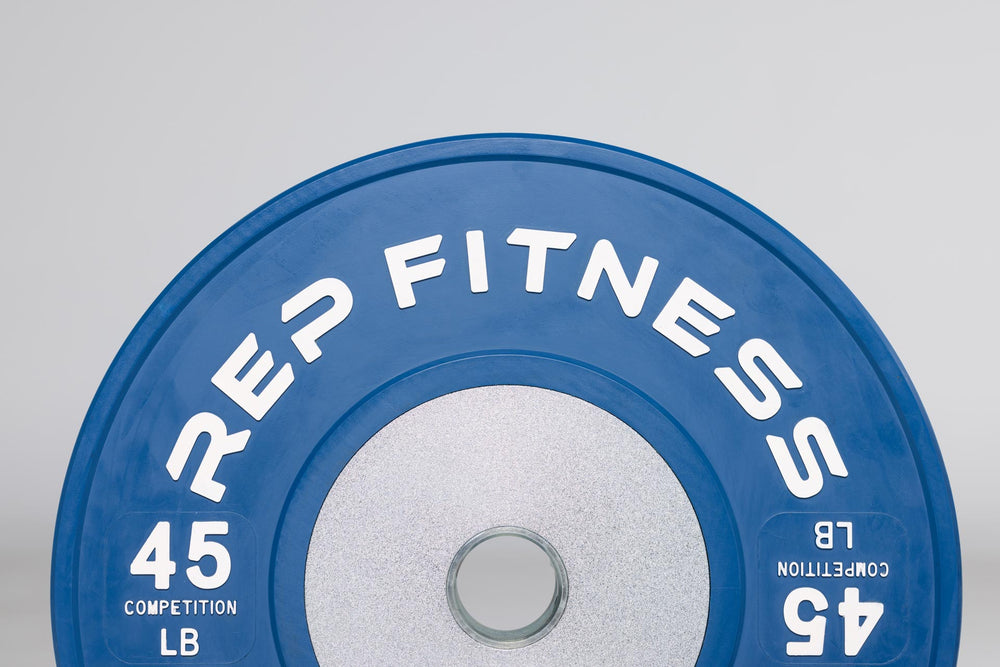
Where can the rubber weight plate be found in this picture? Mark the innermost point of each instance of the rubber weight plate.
(315, 444)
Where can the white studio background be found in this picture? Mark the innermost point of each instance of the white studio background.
(134, 133)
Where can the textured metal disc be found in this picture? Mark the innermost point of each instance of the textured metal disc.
(496, 456)
(424, 293)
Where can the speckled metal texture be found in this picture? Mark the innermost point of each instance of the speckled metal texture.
(507, 455)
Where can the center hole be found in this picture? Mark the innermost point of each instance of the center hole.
(507, 587)
(506, 582)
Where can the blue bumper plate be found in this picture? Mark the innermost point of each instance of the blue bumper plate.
(375, 287)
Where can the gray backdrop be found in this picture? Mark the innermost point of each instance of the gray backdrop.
(134, 133)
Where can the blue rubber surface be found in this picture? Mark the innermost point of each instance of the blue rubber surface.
(763, 540)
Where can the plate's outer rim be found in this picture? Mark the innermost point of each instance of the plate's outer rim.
(509, 147)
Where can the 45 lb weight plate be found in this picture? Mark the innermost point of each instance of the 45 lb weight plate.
(315, 444)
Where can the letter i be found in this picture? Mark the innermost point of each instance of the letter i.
(478, 281)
